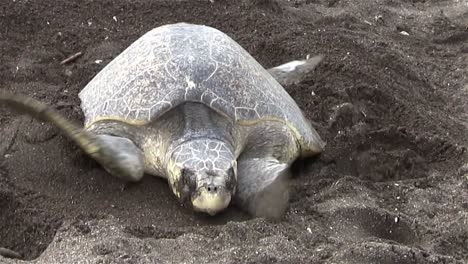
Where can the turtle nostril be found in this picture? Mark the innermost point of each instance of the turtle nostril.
(212, 188)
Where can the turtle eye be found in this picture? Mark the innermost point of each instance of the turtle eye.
(182, 188)
(231, 179)
(231, 173)
(188, 181)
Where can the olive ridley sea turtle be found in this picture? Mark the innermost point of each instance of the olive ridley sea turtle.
(187, 103)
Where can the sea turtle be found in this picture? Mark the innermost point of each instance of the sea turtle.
(187, 103)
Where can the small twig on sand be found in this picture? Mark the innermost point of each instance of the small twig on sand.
(8, 253)
(72, 58)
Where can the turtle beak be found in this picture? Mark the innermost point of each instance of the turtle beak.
(211, 199)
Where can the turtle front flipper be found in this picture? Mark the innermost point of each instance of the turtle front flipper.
(263, 187)
(8, 253)
(294, 71)
(119, 156)
(41, 111)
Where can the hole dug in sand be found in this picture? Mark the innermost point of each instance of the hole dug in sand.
(369, 223)
(386, 253)
(24, 227)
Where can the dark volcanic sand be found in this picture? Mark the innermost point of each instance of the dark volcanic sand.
(390, 187)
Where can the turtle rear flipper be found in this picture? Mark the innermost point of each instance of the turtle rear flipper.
(119, 156)
(294, 71)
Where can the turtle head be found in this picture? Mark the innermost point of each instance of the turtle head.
(203, 173)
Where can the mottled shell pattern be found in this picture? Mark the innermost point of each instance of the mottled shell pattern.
(176, 63)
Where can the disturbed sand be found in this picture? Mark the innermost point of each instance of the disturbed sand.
(390, 99)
